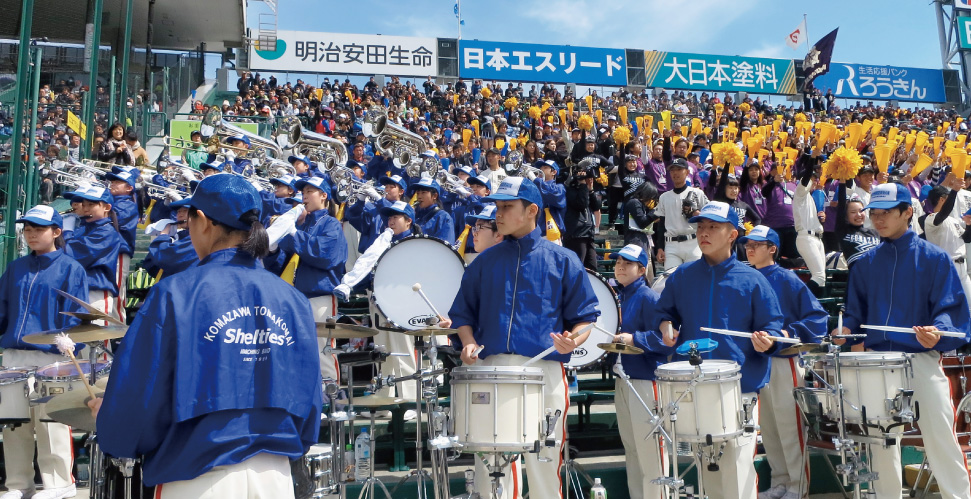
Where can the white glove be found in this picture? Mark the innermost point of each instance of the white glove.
(372, 193)
(189, 175)
(159, 227)
(229, 154)
(342, 292)
(530, 175)
(283, 226)
(255, 183)
(463, 192)
(172, 195)
(69, 222)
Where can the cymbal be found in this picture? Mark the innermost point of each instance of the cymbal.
(429, 331)
(620, 348)
(85, 333)
(343, 331)
(800, 348)
(85, 317)
(100, 315)
(376, 401)
(71, 408)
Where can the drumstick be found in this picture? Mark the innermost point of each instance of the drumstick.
(550, 350)
(417, 288)
(604, 331)
(66, 345)
(839, 326)
(740, 334)
(670, 331)
(895, 329)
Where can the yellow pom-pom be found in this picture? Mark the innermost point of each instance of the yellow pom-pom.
(800, 117)
(622, 135)
(485, 92)
(734, 155)
(535, 112)
(511, 103)
(843, 164)
(744, 107)
(585, 122)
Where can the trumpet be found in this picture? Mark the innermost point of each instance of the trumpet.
(451, 183)
(175, 175)
(353, 188)
(74, 181)
(156, 191)
(426, 165)
(275, 168)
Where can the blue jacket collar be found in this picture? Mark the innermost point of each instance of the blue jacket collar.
(908, 239)
(233, 256)
(98, 223)
(419, 212)
(631, 289)
(47, 258)
(526, 242)
(401, 236)
(722, 267)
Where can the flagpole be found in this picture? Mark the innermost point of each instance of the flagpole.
(804, 23)
(459, 20)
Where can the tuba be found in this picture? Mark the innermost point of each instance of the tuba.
(326, 151)
(393, 140)
(223, 130)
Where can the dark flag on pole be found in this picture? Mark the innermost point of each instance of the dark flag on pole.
(817, 60)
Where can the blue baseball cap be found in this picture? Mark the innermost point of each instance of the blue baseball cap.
(426, 184)
(887, 196)
(130, 169)
(210, 166)
(488, 212)
(182, 203)
(95, 193)
(399, 208)
(69, 195)
(513, 188)
(42, 215)
(228, 199)
(761, 233)
(317, 182)
(925, 191)
(631, 253)
(295, 199)
(394, 179)
(286, 180)
(305, 159)
(481, 180)
(126, 177)
(717, 211)
(240, 138)
(463, 169)
(550, 163)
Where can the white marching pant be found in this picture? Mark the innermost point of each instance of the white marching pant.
(678, 252)
(646, 458)
(324, 308)
(544, 477)
(933, 394)
(353, 238)
(736, 477)
(263, 476)
(105, 301)
(811, 250)
(781, 427)
(124, 266)
(55, 450)
(396, 366)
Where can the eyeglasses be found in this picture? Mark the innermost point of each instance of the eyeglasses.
(755, 245)
(476, 228)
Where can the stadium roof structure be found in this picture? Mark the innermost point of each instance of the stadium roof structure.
(178, 24)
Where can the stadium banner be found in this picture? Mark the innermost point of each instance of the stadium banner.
(867, 81)
(346, 53)
(503, 61)
(719, 73)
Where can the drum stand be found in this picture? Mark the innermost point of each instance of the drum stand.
(495, 471)
(441, 442)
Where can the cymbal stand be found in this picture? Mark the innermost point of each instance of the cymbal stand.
(368, 488)
(97, 481)
(500, 462)
(336, 420)
(127, 468)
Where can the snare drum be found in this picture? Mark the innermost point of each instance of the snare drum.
(419, 259)
(62, 377)
(318, 467)
(589, 353)
(870, 380)
(712, 408)
(497, 408)
(14, 396)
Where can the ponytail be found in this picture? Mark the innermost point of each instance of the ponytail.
(257, 242)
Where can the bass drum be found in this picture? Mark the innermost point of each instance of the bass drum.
(589, 353)
(660, 281)
(419, 259)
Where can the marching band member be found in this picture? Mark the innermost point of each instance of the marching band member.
(429, 215)
(122, 187)
(485, 233)
(677, 241)
(366, 216)
(805, 319)
(222, 356)
(172, 252)
(400, 218)
(234, 158)
(550, 294)
(646, 458)
(736, 297)
(276, 202)
(319, 241)
(29, 305)
(96, 245)
(907, 282)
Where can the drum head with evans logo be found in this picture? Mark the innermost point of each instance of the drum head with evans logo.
(420, 259)
(588, 353)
